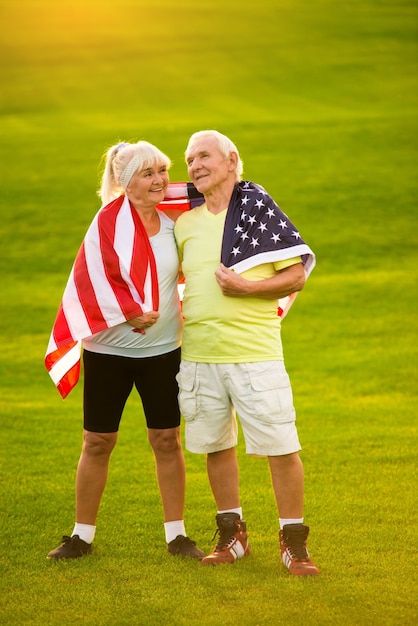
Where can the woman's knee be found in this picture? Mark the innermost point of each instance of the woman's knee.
(99, 444)
(164, 440)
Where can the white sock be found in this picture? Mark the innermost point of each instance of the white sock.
(86, 532)
(290, 520)
(174, 529)
(238, 510)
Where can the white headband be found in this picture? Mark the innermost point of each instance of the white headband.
(129, 171)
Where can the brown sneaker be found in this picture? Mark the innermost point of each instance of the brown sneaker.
(183, 546)
(71, 548)
(293, 550)
(232, 543)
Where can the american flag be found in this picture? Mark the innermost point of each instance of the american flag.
(113, 279)
(181, 196)
(257, 231)
(114, 276)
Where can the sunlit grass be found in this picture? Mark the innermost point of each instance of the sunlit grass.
(321, 99)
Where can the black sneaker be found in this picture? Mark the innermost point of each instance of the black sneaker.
(71, 548)
(183, 546)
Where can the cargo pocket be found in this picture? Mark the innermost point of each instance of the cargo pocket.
(187, 381)
(272, 396)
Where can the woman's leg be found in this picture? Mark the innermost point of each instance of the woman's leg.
(170, 468)
(92, 474)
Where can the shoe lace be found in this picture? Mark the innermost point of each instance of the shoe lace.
(226, 537)
(298, 551)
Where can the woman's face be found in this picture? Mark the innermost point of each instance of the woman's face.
(149, 186)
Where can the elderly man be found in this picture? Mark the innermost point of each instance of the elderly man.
(240, 254)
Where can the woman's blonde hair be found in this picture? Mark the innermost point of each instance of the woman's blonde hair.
(121, 163)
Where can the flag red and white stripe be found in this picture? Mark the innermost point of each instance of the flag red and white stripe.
(113, 279)
(182, 197)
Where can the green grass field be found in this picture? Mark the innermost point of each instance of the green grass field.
(321, 99)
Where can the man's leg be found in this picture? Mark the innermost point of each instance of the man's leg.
(223, 476)
(288, 484)
(223, 473)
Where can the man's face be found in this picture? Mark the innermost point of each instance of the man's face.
(208, 168)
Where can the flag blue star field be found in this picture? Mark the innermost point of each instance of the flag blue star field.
(257, 231)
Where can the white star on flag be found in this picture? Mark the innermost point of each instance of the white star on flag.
(251, 237)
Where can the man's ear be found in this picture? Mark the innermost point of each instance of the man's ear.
(233, 161)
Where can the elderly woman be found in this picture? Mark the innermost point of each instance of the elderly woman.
(121, 305)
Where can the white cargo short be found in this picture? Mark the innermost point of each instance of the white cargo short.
(210, 395)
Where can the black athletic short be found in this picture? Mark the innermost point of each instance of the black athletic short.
(108, 381)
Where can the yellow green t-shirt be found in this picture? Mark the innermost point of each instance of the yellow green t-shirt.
(218, 328)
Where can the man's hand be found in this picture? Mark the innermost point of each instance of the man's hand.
(144, 321)
(285, 282)
(231, 283)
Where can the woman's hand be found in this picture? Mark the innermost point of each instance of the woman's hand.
(144, 321)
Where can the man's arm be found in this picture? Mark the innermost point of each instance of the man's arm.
(286, 281)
